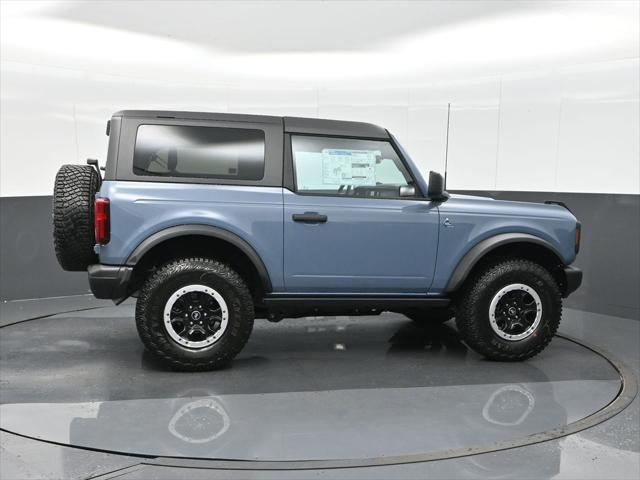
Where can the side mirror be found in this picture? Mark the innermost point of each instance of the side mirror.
(436, 191)
(407, 191)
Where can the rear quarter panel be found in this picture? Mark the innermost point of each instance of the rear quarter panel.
(140, 209)
(474, 219)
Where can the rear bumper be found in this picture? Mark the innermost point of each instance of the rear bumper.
(573, 280)
(109, 281)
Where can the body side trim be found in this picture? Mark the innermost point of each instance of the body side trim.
(345, 302)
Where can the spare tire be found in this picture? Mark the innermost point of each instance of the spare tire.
(73, 230)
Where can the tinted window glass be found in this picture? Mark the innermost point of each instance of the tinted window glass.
(190, 151)
(343, 166)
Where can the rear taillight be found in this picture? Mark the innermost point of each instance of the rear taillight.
(578, 235)
(101, 221)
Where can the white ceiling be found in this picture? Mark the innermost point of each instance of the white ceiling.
(313, 43)
(280, 27)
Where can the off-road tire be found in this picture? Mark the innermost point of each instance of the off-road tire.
(472, 313)
(172, 276)
(430, 315)
(73, 230)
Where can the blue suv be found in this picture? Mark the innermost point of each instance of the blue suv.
(212, 220)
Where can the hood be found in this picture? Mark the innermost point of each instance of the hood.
(478, 204)
(476, 197)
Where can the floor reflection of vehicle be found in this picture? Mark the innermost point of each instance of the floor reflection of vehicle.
(199, 421)
(511, 411)
(420, 407)
(191, 425)
(509, 405)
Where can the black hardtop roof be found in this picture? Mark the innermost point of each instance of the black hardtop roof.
(290, 124)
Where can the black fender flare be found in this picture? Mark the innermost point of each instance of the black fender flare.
(207, 231)
(469, 260)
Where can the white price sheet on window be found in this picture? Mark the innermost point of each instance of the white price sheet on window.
(349, 167)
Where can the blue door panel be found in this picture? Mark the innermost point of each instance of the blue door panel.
(366, 245)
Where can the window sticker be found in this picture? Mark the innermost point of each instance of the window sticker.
(349, 167)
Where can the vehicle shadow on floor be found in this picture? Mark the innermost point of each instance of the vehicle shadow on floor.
(423, 338)
(430, 337)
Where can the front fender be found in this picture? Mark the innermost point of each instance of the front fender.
(469, 225)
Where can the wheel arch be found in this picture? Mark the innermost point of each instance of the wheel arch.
(201, 234)
(522, 245)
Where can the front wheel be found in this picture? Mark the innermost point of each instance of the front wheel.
(510, 311)
(194, 314)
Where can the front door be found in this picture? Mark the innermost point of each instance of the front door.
(347, 229)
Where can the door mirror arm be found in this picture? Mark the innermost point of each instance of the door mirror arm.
(407, 191)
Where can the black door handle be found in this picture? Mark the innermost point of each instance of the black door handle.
(309, 217)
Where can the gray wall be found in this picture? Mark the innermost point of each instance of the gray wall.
(610, 253)
(28, 265)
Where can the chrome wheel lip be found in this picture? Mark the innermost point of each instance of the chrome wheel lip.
(211, 339)
(492, 312)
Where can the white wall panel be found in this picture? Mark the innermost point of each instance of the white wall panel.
(473, 142)
(161, 95)
(95, 99)
(529, 130)
(426, 138)
(393, 118)
(572, 129)
(385, 107)
(38, 131)
(599, 148)
(473, 134)
(301, 102)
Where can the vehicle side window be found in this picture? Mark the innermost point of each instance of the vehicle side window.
(345, 166)
(200, 152)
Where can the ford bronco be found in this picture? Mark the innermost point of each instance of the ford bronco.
(212, 220)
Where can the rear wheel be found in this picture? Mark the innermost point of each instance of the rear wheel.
(510, 311)
(73, 202)
(195, 314)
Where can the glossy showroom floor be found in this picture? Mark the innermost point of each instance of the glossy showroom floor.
(330, 397)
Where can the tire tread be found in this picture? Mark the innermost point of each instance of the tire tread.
(155, 340)
(73, 230)
(467, 317)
